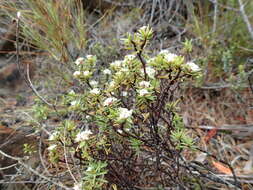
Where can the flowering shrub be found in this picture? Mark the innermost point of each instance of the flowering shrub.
(123, 131)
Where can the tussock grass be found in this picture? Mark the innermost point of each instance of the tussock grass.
(57, 27)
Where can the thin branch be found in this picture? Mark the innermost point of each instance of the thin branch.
(250, 82)
(247, 128)
(245, 18)
(226, 7)
(27, 79)
(139, 54)
(66, 159)
(21, 162)
(40, 155)
(152, 12)
(21, 182)
(29, 83)
(215, 16)
(8, 167)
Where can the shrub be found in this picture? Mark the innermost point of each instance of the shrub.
(122, 128)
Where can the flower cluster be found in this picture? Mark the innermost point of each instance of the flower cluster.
(84, 65)
(193, 67)
(169, 57)
(95, 91)
(54, 136)
(144, 88)
(116, 64)
(109, 101)
(79, 61)
(107, 72)
(124, 113)
(77, 186)
(52, 147)
(149, 71)
(93, 83)
(143, 92)
(144, 84)
(74, 103)
(83, 136)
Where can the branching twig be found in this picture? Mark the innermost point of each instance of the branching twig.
(21, 162)
(8, 167)
(66, 159)
(245, 18)
(27, 79)
(250, 82)
(139, 54)
(223, 162)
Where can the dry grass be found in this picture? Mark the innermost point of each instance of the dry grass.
(218, 106)
(230, 113)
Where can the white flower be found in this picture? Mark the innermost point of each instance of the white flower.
(18, 14)
(127, 129)
(52, 147)
(74, 103)
(124, 113)
(53, 136)
(93, 83)
(124, 70)
(107, 72)
(79, 61)
(119, 131)
(129, 57)
(72, 92)
(116, 64)
(124, 93)
(77, 74)
(77, 186)
(143, 92)
(150, 71)
(193, 66)
(144, 84)
(164, 51)
(89, 56)
(170, 57)
(89, 169)
(112, 84)
(86, 73)
(143, 28)
(95, 91)
(82, 136)
(146, 31)
(109, 101)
